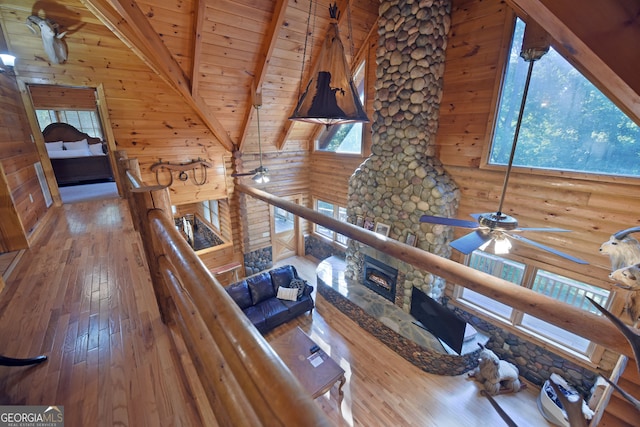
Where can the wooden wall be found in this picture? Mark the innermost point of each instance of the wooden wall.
(289, 175)
(593, 206)
(22, 203)
(150, 121)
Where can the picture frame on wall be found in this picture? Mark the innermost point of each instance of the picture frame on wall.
(368, 224)
(359, 220)
(411, 239)
(382, 228)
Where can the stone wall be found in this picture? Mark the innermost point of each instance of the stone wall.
(403, 179)
(258, 260)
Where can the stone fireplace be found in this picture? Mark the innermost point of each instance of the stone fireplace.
(403, 179)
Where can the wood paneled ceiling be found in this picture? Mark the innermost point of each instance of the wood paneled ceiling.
(214, 51)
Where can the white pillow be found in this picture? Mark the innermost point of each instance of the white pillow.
(53, 146)
(66, 154)
(78, 145)
(96, 149)
(290, 294)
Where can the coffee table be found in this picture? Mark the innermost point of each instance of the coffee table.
(316, 372)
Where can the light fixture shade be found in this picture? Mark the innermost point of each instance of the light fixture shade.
(330, 97)
(7, 59)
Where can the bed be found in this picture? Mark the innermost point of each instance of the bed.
(76, 157)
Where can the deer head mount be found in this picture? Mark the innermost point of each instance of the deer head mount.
(54, 46)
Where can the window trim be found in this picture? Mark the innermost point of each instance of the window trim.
(495, 105)
(589, 358)
(336, 211)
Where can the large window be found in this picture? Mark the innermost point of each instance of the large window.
(562, 288)
(568, 124)
(345, 138)
(86, 121)
(334, 211)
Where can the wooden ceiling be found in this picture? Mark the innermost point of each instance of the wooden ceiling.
(214, 52)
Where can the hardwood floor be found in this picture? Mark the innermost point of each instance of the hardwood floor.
(82, 295)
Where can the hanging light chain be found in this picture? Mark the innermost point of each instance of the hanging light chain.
(350, 32)
(306, 40)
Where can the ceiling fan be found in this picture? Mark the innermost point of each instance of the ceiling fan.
(260, 173)
(495, 228)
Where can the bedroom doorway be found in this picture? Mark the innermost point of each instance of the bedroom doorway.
(77, 145)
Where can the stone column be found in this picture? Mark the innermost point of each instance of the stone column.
(403, 179)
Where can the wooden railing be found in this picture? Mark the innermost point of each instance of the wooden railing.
(245, 381)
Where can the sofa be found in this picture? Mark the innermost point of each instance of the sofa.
(257, 296)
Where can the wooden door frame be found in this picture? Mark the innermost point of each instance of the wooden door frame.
(37, 138)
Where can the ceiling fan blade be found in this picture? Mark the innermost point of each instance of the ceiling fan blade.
(548, 249)
(470, 242)
(554, 230)
(251, 172)
(448, 221)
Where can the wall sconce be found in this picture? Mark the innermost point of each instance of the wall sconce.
(8, 61)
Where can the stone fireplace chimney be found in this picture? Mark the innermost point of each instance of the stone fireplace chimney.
(403, 179)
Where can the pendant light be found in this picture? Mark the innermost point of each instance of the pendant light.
(330, 97)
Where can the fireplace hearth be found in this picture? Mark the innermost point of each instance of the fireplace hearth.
(379, 277)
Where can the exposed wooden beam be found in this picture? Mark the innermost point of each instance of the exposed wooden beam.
(598, 37)
(270, 40)
(197, 46)
(128, 23)
(580, 322)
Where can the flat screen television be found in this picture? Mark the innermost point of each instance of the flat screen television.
(443, 323)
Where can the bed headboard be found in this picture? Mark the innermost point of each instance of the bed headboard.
(66, 133)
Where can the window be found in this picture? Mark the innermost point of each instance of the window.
(285, 220)
(334, 211)
(85, 121)
(562, 288)
(210, 211)
(346, 138)
(568, 124)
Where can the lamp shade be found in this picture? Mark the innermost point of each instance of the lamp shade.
(330, 97)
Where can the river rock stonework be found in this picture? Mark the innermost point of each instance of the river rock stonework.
(403, 179)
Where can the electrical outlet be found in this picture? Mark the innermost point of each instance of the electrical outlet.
(31, 197)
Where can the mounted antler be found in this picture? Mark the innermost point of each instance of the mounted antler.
(54, 46)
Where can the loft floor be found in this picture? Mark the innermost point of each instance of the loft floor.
(82, 295)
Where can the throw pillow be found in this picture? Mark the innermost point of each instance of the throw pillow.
(298, 284)
(77, 145)
(290, 294)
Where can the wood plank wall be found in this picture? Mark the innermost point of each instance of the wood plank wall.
(22, 203)
(594, 207)
(289, 175)
(150, 121)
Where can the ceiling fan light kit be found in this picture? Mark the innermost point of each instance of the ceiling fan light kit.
(493, 229)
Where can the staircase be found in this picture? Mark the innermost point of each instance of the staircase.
(619, 412)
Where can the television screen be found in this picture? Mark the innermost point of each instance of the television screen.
(438, 319)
